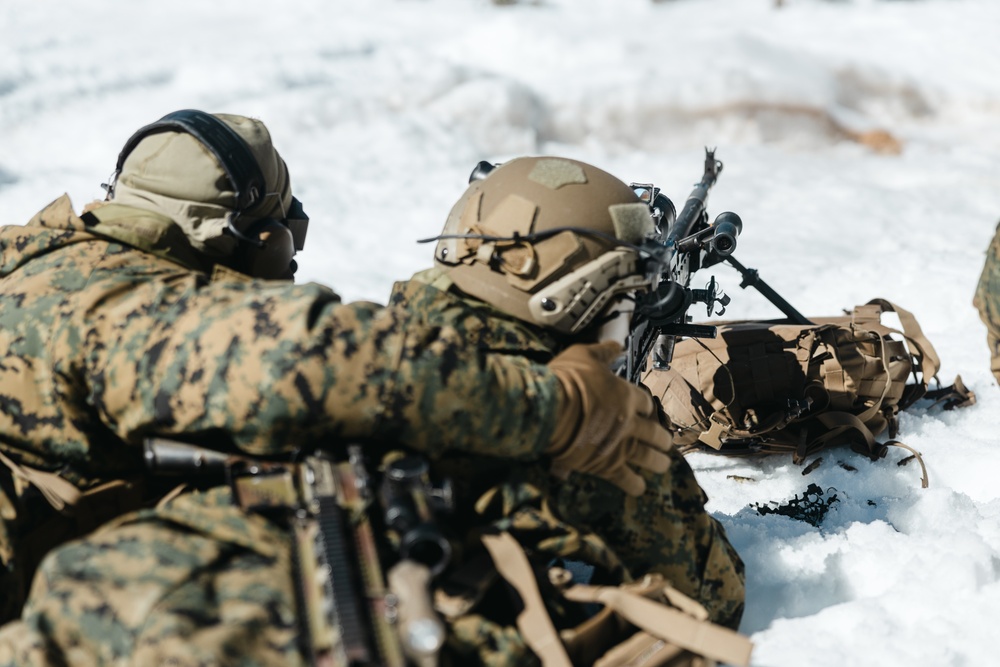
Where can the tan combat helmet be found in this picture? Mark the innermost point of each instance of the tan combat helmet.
(548, 240)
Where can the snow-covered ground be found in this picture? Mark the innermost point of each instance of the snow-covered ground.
(382, 107)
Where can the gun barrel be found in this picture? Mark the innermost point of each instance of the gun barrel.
(691, 214)
(172, 458)
(427, 545)
(694, 207)
(671, 264)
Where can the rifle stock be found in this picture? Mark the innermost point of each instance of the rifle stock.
(352, 610)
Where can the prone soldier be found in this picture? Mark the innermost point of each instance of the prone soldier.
(534, 258)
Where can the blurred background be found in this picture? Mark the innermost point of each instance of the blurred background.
(861, 143)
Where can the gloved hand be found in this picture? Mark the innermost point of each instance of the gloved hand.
(606, 425)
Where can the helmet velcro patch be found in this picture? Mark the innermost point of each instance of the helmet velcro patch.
(554, 173)
(632, 221)
(514, 215)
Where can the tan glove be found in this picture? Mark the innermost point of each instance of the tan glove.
(606, 425)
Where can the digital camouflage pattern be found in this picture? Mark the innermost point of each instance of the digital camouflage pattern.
(107, 343)
(113, 329)
(987, 300)
(196, 582)
(665, 531)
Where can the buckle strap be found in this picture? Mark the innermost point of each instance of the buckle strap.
(685, 627)
(680, 629)
(61, 494)
(916, 455)
(534, 622)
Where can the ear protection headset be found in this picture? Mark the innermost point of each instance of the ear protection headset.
(266, 249)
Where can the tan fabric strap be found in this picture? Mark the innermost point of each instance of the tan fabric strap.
(840, 422)
(930, 363)
(874, 408)
(534, 622)
(61, 494)
(955, 395)
(698, 636)
(686, 626)
(645, 650)
(924, 481)
(685, 604)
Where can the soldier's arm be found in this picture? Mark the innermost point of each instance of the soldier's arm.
(290, 364)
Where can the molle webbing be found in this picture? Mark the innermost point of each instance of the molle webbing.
(778, 387)
(659, 620)
(57, 491)
(534, 622)
(667, 627)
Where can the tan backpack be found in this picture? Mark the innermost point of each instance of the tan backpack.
(767, 387)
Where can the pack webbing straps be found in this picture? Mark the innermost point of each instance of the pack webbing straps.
(929, 361)
(924, 482)
(654, 619)
(956, 395)
(691, 634)
(864, 320)
(57, 491)
(874, 408)
(839, 423)
(644, 650)
(534, 622)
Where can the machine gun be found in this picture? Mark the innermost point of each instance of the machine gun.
(352, 610)
(682, 245)
(679, 246)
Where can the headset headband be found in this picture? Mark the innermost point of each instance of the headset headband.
(226, 145)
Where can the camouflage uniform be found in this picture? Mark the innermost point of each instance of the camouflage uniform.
(195, 579)
(195, 582)
(987, 301)
(666, 530)
(113, 328)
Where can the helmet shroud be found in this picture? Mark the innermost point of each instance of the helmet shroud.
(174, 173)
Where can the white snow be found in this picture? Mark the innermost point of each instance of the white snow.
(382, 107)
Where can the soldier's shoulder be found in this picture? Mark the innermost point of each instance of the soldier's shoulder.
(58, 214)
(433, 297)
